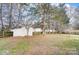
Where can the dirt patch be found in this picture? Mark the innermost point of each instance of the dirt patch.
(38, 50)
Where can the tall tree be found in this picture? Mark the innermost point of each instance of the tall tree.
(75, 19)
(2, 25)
(61, 18)
(44, 10)
(26, 16)
(10, 17)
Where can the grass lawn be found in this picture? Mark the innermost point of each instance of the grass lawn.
(50, 44)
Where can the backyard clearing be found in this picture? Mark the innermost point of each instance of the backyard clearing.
(49, 44)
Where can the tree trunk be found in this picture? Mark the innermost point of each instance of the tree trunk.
(1, 21)
(19, 11)
(27, 28)
(43, 19)
(10, 17)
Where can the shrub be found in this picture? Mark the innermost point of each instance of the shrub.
(37, 33)
(6, 33)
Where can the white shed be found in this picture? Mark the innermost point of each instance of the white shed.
(22, 32)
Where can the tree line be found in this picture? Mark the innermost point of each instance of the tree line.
(43, 15)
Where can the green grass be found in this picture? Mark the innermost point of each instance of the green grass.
(74, 44)
(3, 44)
(48, 44)
(20, 47)
(11, 47)
(71, 43)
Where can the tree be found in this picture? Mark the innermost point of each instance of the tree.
(44, 10)
(2, 25)
(10, 17)
(27, 16)
(61, 18)
(74, 20)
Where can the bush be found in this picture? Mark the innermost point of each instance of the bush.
(6, 33)
(37, 33)
(0, 33)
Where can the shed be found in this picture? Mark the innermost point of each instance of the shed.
(22, 32)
